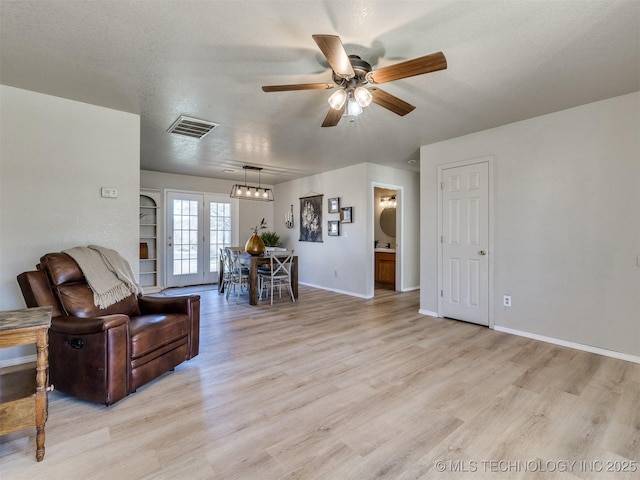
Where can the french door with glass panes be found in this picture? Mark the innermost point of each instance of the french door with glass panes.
(198, 226)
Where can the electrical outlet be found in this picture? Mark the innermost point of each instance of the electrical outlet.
(335, 273)
(506, 300)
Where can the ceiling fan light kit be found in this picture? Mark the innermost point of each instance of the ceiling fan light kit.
(362, 96)
(351, 74)
(251, 192)
(337, 99)
(353, 108)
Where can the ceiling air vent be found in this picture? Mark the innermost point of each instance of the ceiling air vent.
(191, 127)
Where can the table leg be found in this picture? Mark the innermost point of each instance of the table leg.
(253, 282)
(42, 363)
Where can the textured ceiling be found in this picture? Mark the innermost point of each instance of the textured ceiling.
(507, 61)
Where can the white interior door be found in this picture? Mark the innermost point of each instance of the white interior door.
(198, 225)
(465, 241)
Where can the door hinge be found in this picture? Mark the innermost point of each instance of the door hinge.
(441, 238)
(441, 185)
(441, 293)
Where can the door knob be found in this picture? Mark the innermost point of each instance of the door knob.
(482, 252)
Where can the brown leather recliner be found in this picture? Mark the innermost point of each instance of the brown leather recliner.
(103, 355)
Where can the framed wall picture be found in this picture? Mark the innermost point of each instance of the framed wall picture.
(334, 205)
(311, 218)
(346, 214)
(334, 228)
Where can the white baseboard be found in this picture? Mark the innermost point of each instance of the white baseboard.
(428, 312)
(351, 294)
(411, 289)
(12, 362)
(564, 343)
(147, 290)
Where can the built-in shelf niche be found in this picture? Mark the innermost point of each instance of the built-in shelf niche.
(150, 217)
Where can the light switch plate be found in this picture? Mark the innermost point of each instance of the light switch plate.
(109, 192)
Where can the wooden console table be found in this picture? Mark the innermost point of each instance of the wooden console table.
(23, 394)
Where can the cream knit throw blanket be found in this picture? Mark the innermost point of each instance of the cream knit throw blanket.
(108, 274)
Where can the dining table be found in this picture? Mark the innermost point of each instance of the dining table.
(252, 262)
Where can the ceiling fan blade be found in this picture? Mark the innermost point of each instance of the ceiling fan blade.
(410, 68)
(333, 117)
(299, 86)
(332, 48)
(391, 102)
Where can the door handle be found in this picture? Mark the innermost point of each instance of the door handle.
(482, 252)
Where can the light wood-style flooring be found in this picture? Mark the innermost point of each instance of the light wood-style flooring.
(337, 387)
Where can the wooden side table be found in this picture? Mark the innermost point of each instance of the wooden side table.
(23, 394)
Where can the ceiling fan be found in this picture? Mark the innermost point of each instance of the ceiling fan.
(352, 76)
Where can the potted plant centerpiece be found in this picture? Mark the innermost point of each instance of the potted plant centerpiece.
(270, 239)
(255, 245)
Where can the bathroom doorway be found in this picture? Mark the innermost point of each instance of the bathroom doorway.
(386, 208)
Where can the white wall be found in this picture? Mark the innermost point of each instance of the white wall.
(566, 221)
(55, 155)
(345, 263)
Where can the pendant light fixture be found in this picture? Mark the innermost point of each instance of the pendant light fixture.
(250, 192)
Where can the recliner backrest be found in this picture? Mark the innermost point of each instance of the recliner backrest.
(37, 291)
(74, 294)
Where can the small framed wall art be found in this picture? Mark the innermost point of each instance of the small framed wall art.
(346, 214)
(334, 228)
(334, 205)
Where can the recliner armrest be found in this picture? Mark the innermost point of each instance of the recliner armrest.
(149, 305)
(187, 305)
(87, 326)
(89, 357)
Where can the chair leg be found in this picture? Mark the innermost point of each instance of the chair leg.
(271, 291)
(260, 286)
(291, 291)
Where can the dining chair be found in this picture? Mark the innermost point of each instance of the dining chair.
(238, 275)
(226, 271)
(278, 275)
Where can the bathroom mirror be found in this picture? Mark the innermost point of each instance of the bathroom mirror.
(388, 221)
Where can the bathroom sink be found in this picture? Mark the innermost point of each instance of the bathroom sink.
(386, 250)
